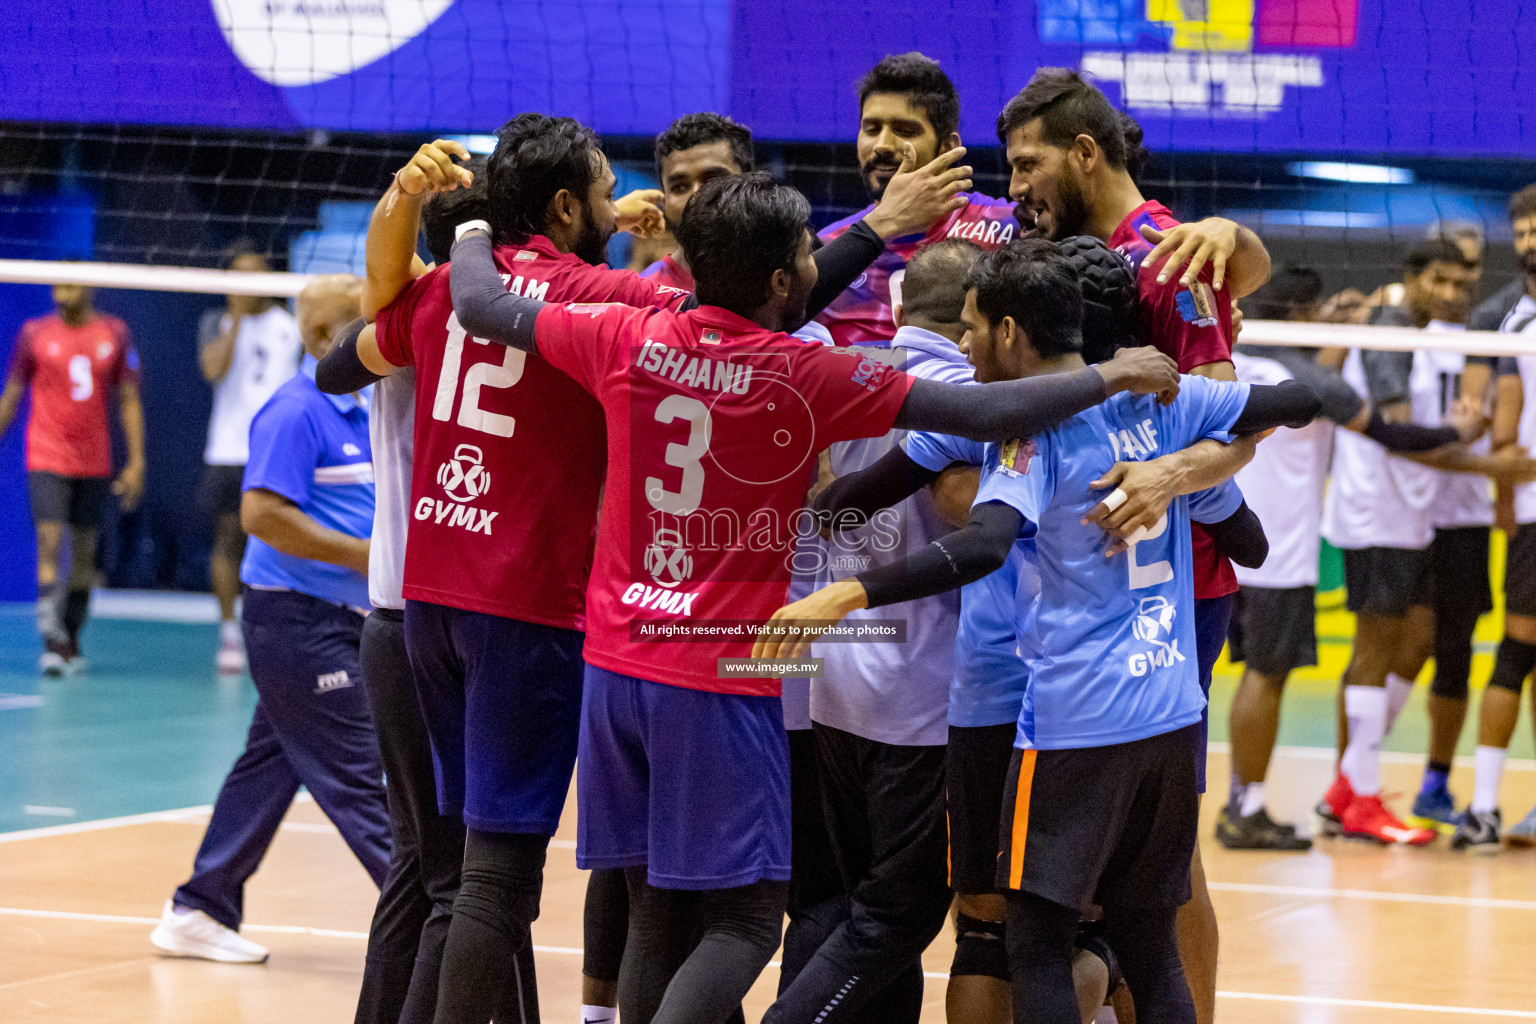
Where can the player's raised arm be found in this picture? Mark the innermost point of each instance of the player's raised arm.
(482, 303)
(391, 247)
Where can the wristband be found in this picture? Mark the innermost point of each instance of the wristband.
(468, 226)
(1114, 499)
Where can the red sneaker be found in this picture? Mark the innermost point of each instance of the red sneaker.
(1367, 817)
(1330, 809)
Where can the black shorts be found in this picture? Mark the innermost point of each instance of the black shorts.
(1274, 629)
(1113, 826)
(1520, 572)
(1387, 581)
(218, 493)
(76, 500)
(1458, 559)
(975, 776)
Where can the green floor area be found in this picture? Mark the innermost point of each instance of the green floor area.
(152, 727)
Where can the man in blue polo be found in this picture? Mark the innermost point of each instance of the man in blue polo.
(307, 503)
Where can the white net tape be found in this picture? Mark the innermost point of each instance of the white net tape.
(234, 282)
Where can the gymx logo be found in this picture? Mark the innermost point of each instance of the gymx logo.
(669, 563)
(1154, 625)
(464, 478)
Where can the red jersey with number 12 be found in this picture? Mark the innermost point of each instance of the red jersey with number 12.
(713, 425)
(72, 371)
(508, 463)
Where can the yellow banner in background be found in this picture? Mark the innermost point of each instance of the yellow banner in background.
(1207, 25)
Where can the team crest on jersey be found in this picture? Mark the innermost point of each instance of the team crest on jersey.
(1016, 455)
(464, 476)
(666, 559)
(1197, 305)
(1153, 625)
(869, 373)
(103, 350)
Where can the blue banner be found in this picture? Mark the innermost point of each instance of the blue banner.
(1450, 78)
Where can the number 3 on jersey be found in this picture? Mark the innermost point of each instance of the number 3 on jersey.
(481, 375)
(685, 456)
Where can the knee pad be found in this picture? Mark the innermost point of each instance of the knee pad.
(1450, 681)
(1515, 661)
(980, 948)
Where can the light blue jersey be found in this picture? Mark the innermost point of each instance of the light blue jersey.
(1117, 642)
(996, 637)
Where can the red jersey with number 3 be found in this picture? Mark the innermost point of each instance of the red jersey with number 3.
(72, 371)
(1193, 327)
(507, 470)
(713, 427)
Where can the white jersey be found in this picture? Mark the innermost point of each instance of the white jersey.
(1376, 499)
(267, 352)
(391, 425)
(1522, 320)
(1465, 499)
(896, 693)
(1284, 486)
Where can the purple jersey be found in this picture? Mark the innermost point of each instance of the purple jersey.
(864, 313)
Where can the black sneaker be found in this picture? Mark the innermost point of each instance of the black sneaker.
(1258, 831)
(1478, 832)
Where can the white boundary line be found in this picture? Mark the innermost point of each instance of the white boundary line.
(335, 933)
(1322, 892)
(104, 823)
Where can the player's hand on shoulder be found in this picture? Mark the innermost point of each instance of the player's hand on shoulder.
(916, 197)
(1144, 370)
(1212, 241)
(640, 214)
(1469, 418)
(432, 169)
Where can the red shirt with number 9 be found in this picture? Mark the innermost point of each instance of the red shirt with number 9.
(72, 371)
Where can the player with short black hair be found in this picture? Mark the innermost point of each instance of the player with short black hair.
(686, 779)
(73, 361)
(1105, 807)
(694, 149)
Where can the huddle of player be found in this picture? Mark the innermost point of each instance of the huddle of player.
(1414, 529)
(600, 461)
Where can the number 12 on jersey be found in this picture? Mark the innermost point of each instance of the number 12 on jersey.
(481, 375)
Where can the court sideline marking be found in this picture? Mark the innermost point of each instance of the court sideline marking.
(938, 975)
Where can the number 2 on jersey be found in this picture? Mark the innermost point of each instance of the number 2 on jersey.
(481, 375)
(1153, 573)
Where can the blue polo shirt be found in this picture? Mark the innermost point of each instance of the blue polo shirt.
(312, 449)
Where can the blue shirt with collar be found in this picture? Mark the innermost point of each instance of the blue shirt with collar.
(313, 449)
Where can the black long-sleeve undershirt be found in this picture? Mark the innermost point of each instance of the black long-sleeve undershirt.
(342, 372)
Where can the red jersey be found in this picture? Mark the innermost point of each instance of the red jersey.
(713, 425)
(865, 312)
(1193, 327)
(507, 468)
(72, 370)
(668, 271)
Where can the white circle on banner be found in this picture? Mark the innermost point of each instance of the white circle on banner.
(301, 42)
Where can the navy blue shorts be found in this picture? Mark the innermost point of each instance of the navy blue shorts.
(1212, 617)
(692, 784)
(502, 701)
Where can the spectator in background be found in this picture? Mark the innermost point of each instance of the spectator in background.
(72, 360)
(246, 352)
(308, 501)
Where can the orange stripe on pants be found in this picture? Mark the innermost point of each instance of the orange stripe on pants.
(1021, 818)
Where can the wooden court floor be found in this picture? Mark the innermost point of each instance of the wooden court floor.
(1345, 933)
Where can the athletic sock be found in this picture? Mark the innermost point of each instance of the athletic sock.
(1253, 799)
(1398, 692)
(77, 605)
(1234, 791)
(48, 611)
(229, 633)
(1436, 777)
(1485, 784)
(1366, 709)
(599, 1014)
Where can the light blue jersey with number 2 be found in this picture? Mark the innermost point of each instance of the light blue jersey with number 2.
(1117, 642)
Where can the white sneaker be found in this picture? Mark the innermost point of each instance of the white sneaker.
(230, 659)
(195, 934)
(52, 664)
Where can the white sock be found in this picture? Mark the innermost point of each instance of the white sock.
(1366, 709)
(599, 1014)
(1490, 772)
(1253, 799)
(1398, 692)
(229, 633)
